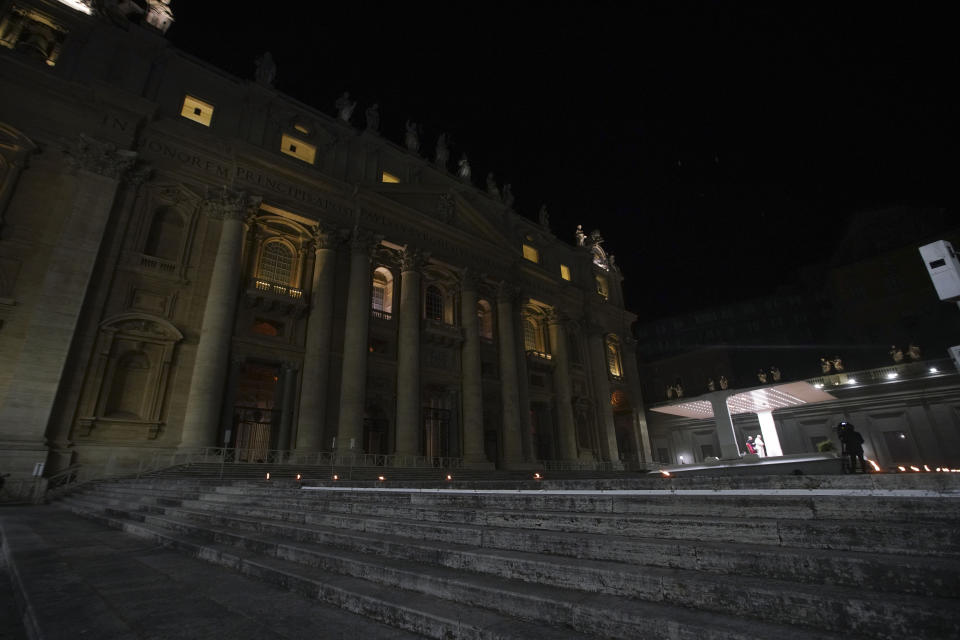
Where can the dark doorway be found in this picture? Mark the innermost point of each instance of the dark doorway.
(436, 432)
(255, 416)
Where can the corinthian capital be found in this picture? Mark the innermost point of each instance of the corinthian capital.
(327, 237)
(102, 158)
(412, 259)
(363, 241)
(227, 204)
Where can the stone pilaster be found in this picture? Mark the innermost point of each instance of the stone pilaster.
(353, 378)
(316, 356)
(26, 409)
(726, 433)
(562, 387)
(629, 357)
(509, 383)
(601, 386)
(408, 352)
(213, 350)
(471, 374)
(289, 390)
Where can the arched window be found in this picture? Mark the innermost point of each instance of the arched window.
(166, 235)
(381, 297)
(484, 320)
(433, 303)
(613, 357)
(276, 263)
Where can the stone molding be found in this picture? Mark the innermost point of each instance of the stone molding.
(327, 237)
(508, 292)
(363, 241)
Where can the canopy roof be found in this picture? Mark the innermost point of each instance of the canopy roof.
(757, 400)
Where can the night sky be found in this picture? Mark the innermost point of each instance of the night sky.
(717, 146)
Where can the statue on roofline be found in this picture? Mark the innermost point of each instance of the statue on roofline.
(266, 70)
(345, 107)
(581, 236)
(492, 188)
(373, 118)
(412, 137)
(463, 168)
(442, 153)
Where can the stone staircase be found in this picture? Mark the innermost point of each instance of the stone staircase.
(785, 558)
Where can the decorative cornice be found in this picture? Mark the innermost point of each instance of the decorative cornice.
(101, 158)
(327, 237)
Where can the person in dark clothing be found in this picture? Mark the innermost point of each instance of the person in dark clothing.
(852, 443)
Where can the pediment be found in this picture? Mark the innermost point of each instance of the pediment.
(450, 208)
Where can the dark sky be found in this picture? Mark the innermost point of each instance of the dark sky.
(717, 146)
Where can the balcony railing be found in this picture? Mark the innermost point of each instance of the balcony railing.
(379, 314)
(277, 289)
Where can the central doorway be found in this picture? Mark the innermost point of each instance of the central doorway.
(256, 418)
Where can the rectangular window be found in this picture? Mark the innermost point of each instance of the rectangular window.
(565, 272)
(389, 178)
(531, 253)
(197, 110)
(298, 149)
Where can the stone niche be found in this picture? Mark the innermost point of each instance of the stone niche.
(124, 394)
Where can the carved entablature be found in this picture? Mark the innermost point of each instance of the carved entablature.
(328, 237)
(364, 241)
(101, 158)
(447, 208)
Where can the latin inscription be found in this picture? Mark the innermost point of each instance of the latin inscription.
(268, 184)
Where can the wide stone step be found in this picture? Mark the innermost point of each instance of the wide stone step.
(876, 572)
(868, 536)
(598, 615)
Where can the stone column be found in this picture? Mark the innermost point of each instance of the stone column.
(26, 409)
(408, 352)
(316, 352)
(629, 357)
(287, 405)
(562, 388)
(729, 449)
(601, 387)
(229, 402)
(471, 374)
(353, 378)
(509, 384)
(213, 351)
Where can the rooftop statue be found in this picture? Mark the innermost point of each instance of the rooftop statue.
(373, 118)
(896, 354)
(463, 167)
(442, 153)
(508, 198)
(581, 236)
(266, 71)
(492, 188)
(544, 217)
(913, 351)
(724, 383)
(345, 107)
(775, 374)
(412, 138)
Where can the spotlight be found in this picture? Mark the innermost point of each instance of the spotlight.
(381, 478)
(537, 476)
(268, 475)
(336, 477)
(449, 477)
(666, 474)
(298, 477)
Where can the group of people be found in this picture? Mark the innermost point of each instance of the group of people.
(755, 445)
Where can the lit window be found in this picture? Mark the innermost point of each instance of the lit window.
(433, 303)
(197, 110)
(389, 177)
(531, 253)
(298, 149)
(302, 128)
(613, 357)
(603, 288)
(276, 263)
(381, 300)
(565, 272)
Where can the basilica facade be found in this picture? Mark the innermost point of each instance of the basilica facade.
(189, 260)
